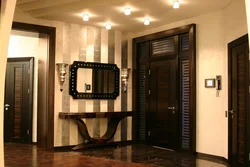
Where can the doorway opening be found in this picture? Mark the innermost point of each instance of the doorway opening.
(45, 85)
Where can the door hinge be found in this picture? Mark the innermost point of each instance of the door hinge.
(149, 72)
(28, 91)
(149, 92)
(28, 132)
(29, 71)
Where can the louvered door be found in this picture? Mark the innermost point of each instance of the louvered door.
(238, 102)
(184, 107)
(142, 102)
(163, 59)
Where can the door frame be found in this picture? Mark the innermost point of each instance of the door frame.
(191, 30)
(30, 60)
(230, 46)
(46, 132)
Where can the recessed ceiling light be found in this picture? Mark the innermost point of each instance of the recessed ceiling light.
(108, 26)
(146, 21)
(85, 17)
(176, 4)
(127, 11)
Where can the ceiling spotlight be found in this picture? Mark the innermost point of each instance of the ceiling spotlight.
(146, 21)
(127, 11)
(108, 26)
(176, 4)
(85, 17)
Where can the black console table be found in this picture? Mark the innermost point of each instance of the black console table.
(114, 119)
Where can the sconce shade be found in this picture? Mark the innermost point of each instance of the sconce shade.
(125, 72)
(124, 78)
(61, 71)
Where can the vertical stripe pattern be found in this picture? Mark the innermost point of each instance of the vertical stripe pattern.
(124, 94)
(111, 60)
(82, 57)
(97, 58)
(90, 44)
(65, 94)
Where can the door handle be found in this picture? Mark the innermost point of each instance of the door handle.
(6, 106)
(171, 108)
(231, 111)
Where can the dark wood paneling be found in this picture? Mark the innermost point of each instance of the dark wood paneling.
(192, 108)
(18, 93)
(162, 34)
(185, 103)
(162, 117)
(48, 118)
(238, 101)
(188, 51)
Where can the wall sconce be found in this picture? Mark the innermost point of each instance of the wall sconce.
(61, 71)
(124, 78)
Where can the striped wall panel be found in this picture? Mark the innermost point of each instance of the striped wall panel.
(85, 43)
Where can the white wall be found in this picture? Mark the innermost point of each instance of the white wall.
(214, 31)
(7, 12)
(25, 44)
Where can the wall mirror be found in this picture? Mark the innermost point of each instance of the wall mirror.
(94, 80)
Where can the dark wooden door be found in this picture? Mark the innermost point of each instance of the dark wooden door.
(162, 115)
(18, 100)
(238, 101)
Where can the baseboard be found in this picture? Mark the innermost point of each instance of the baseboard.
(213, 158)
(111, 144)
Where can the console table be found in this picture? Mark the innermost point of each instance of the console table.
(113, 121)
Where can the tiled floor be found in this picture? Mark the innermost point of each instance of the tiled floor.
(21, 155)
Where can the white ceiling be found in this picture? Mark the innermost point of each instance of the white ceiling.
(160, 12)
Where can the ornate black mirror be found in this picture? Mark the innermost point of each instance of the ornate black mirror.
(94, 80)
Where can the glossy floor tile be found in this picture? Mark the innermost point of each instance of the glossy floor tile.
(22, 155)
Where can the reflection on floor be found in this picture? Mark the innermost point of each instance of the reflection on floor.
(21, 155)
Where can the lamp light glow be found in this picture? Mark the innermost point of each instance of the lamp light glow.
(127, 11)
(146, 21)
(124, 78)
(176, 4)
(108, 26)
(85, 17)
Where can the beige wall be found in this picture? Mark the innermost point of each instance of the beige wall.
(214, 31)
(7, 12)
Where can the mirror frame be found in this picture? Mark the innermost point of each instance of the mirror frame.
(73, 68)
